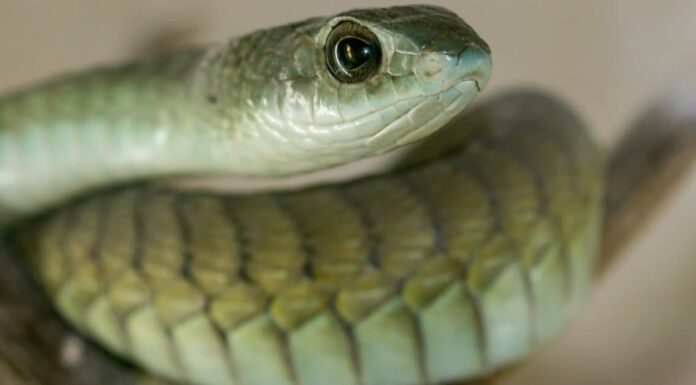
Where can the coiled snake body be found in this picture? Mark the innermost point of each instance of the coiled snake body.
(446, 268)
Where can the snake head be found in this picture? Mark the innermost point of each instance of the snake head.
(432, 65)
(330, 90)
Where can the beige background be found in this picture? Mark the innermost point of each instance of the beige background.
(610, 59)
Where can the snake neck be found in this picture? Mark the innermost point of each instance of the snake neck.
(109, 125)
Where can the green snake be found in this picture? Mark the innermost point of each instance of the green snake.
(448, 267)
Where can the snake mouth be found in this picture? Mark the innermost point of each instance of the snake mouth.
(379, 131)
(427, 116)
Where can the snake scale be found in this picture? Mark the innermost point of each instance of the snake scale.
(446, 268)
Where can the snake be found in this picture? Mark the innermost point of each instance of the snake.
(452, 265)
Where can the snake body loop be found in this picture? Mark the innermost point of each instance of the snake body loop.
(449, 267)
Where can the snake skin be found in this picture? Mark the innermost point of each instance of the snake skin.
(447, 268)
(444, 270)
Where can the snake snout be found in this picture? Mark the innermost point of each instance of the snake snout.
(440, 71)
(477, 65)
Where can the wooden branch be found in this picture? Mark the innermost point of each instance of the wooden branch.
(37, 348)
(645, 167)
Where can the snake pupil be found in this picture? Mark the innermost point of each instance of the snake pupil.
(353, 53)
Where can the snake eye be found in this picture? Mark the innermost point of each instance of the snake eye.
(353, 53)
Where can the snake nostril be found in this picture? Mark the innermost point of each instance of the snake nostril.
(431, 66)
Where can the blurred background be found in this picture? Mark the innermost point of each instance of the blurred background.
(609, 58)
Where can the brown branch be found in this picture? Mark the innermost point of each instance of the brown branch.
(644, 168)
(37, 348)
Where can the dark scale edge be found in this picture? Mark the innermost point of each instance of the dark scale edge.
(523, 157)
(305, 247)
(516, 248)
(474, 172)
(244, 254)
(346, 327)
(414, 190)
(171, 343)
(372, 258)
(185, 226)
(76, 216)
(185, 234)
